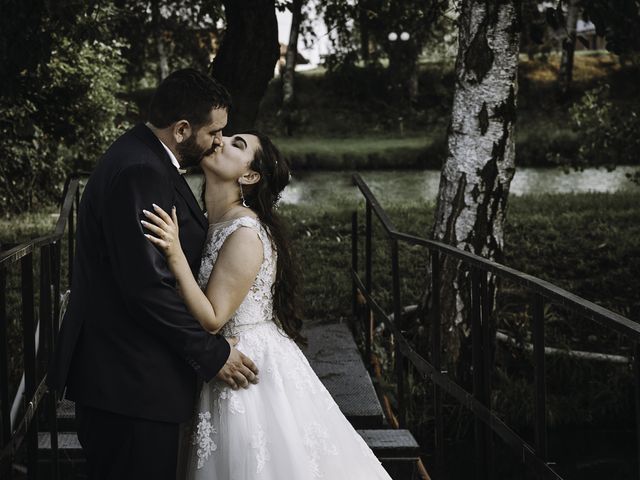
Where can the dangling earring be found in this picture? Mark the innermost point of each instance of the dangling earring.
(244, 203)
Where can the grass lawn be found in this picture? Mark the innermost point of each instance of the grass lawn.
(588, 244)
(416, 151)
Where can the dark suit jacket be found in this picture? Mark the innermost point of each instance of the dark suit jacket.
(128, 344)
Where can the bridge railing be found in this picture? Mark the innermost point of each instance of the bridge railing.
(487, 423)
(39, 260)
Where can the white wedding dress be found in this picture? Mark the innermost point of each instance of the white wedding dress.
(287, 427)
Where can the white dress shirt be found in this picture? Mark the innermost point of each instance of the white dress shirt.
(173, 158)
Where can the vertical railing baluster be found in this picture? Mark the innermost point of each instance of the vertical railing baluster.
(539, 377)
(477, 371)
(354, 261)
(29, 342)
(47, 330)
(57, 279)
(368, 321)
(487, 364)
(5, 406)
(44, 308)
(436, 360)
(636, 374)
(397, 319)
(70, 241)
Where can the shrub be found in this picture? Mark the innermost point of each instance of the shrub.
(608, 132)
(61, 114)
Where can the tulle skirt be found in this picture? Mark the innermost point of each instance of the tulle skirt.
(287, 427)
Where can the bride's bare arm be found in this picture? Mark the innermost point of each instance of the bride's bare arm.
(233, 274)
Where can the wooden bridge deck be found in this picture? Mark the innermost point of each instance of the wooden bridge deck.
(335, 358)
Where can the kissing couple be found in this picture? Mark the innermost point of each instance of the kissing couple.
(180, 345)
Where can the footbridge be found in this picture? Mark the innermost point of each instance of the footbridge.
(37, 431)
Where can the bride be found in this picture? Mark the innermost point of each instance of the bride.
(288, 426)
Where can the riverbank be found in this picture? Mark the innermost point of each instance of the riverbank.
(346, 120)
(588, 243)
(414, 151)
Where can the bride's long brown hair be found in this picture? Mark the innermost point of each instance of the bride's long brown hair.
(262, 197)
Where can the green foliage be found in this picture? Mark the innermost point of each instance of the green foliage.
(30, 173)
(184, 31)
(608, 132)
(59, 115)
(84, 92)
(361, 32)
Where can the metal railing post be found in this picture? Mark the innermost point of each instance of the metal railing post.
(436, 360)
(44, 308)
(636, 375)
(539, 377)
(368, 321)
(56, 274)
(488, 339)
(70, 243)
(29, 343)
(5, 406)
(397, 318)
(478, 372)
(354, 262)
(47, 332)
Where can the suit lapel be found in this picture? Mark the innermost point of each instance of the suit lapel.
(180, 184)
(184, 190)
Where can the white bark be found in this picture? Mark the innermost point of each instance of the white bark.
(480, 164)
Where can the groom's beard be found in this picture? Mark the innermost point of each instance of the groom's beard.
(191, 153)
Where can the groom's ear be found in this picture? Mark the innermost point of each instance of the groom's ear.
(181, 130)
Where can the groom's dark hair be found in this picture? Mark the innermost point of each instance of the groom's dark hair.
(187, 95)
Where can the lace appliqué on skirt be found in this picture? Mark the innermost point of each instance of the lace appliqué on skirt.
(203, 438)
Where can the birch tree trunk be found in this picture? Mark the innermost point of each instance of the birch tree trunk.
(247, 58)
(156, 20)
(477, 173)
(565, 73)
(288, 88)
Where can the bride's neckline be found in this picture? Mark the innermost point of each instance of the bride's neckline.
(215, 225)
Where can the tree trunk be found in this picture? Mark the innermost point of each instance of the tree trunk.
(156, 20)
(363, 20)
(247, 57)
(403, 73)
(565, 73)
(477, 173)
(288, 91)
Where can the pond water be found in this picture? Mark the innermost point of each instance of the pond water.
(399, 186)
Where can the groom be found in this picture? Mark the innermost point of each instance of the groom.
(129, 352)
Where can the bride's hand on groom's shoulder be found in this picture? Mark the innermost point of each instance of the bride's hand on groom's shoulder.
(165, 230)
(239, 370)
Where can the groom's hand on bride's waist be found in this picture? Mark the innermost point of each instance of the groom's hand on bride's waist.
(239, 370)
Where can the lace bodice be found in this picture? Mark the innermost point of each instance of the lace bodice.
(257, 306)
